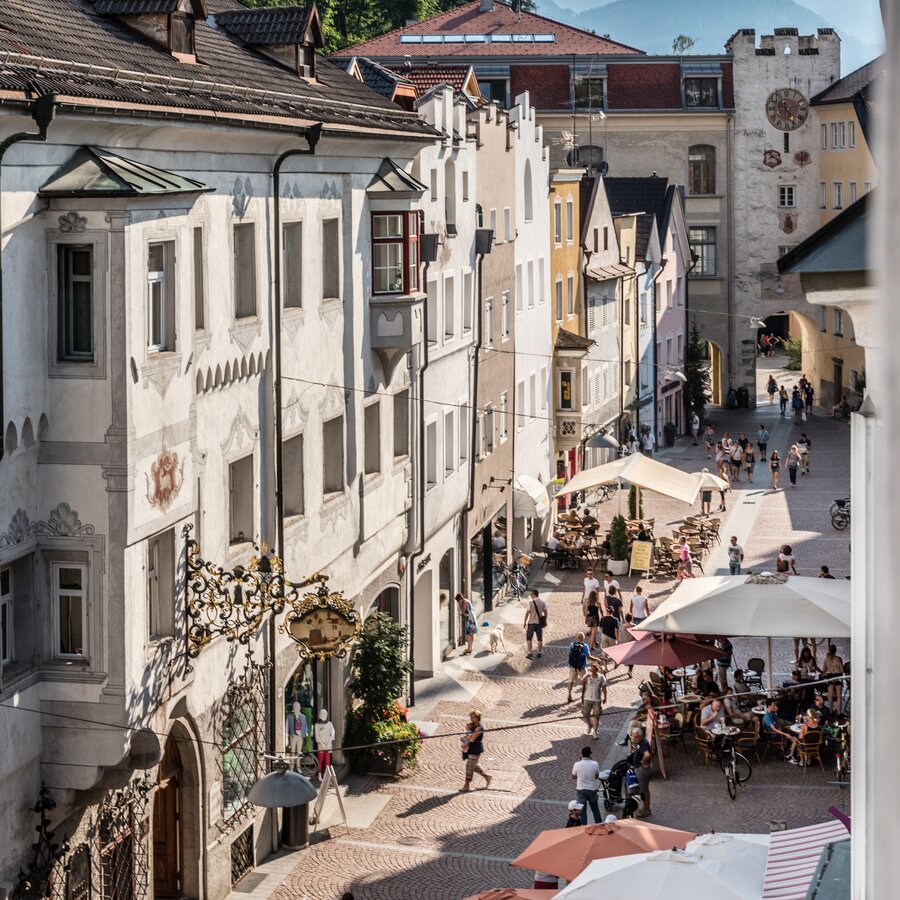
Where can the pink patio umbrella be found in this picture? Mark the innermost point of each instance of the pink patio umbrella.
(513, 894)
(667, 652)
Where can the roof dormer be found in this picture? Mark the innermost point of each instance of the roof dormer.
(288, 34)
(168, 23)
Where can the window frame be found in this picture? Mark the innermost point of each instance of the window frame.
(167, 299)
(292, 267)
(702, 171)
(570, 294)
(157, 629)
(327, 258)
(570, 220)
(837, 194)
(240, 306)
(56, 567)
(696, 245)
(7, 623)
(372, 472)
(559, 298)
(294, 440)
(566, 377)
(557, 222)
(787, 192)
(401, 398)
(851, 135)
(408, 240)
(234, 540)
(837, 322)
(327, 492)
(589, 95)
(715, 79)
(66, 278)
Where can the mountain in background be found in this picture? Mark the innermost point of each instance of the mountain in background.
(652, 25)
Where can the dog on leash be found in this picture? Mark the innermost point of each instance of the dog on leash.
(496, 638)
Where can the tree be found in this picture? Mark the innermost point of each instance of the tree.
(618, 538)
(635, 511)
(682, 44)
(793, 347)
(695, 373)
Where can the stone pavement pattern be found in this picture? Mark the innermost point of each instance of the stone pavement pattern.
(430, 841)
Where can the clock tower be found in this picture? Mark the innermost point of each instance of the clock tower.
(776, 197)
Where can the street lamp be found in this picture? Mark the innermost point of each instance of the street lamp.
(602, 441)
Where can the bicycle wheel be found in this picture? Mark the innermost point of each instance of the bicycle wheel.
(731, 781)
(840, 521)
(839, 771)
(742, 768)
(308, 765)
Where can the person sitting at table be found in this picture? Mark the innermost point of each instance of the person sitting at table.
(788, 704)
(642, 533)
(605, 546)
(843, 408)
(807, 664)
(774, 732)
(732, 708)
(705, 684)
(573, 518)
(579, 541)
(553, 543)
(712, 714)
(740, 685)
(589, 521)
(827, 715)
(812, 722)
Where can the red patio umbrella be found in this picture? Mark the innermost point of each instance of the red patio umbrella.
(513, 894)
(665, 652)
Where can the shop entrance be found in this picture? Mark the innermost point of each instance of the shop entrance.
(447, 592)
(167, 822)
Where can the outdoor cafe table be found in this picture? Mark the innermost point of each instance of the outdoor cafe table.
(724, 730)
(682, 675)
(759, 710)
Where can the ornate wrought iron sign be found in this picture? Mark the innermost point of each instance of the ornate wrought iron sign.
(235, 602)
(322, 624)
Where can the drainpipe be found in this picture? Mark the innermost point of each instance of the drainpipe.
(42, 111)
(662, 265)
(420, 482)
(729, 228)
(312, 138)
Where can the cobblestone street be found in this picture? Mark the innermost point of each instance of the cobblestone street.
(431, 841)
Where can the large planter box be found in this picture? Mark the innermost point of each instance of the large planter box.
(617, 566)
(386, 765)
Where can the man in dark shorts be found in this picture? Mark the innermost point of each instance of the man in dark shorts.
(535, 612)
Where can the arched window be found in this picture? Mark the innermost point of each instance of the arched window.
(702, 169)
(529, 193)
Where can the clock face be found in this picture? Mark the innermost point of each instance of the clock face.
(787, 109)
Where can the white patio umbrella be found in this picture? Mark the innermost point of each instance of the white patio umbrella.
(642, 471)
(765, 605)
(710, 482)
(665, 874)
(744, 854)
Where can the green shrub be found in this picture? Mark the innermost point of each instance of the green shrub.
(618, 538)
(635, 511)
(793, 347)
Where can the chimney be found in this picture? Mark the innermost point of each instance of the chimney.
(487, 6)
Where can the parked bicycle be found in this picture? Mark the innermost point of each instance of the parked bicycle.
(513, 579)
(602, 493)
(735, 765)
(842, 755)
(840, 513)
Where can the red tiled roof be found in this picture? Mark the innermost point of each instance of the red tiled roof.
(638, 85)
(427, 77)
(468, 19)
(548, 85)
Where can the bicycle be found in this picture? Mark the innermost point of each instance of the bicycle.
(735, 765)
(512, 578)
(842, 756)
(602, 493)
(841, 519)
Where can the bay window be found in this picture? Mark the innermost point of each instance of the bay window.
(395, 252)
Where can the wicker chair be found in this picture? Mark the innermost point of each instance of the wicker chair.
(704, 743)
(809, 749)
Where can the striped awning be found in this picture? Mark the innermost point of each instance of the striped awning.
(793, 857)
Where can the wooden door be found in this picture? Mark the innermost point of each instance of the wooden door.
(167, 826)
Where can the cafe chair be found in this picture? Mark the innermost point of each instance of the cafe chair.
(753, 671)
(776, 743)
(713, 527)
(703, 740)
(809, 748)
(676, 731)
(748, 740)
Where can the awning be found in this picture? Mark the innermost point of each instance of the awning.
(642, 471)
(793, 858)
(603, 273)
(94, 172)
(530, 498)
(392, 181)
(831, 880)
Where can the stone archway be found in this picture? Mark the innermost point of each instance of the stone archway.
(716, 373)
(176, 827)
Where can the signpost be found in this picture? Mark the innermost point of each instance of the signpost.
(641, 554)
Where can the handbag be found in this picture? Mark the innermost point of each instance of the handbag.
(803, 416)
(542, 617)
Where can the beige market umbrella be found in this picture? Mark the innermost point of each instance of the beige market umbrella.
(710, 482)
(764, 605)
(566, 851)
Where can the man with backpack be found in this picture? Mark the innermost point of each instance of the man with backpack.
(578, 660)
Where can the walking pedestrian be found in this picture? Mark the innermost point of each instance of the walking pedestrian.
(586, 775)
(721, 460)
(735, 556)
(614, 602)
(468, 620)
(771, 389)
(723, 663)
(793, 464)
(592, 618)
(590, 584)
(695, 427)
(804, 444)
(639, 605)
(705, 499)
(640, 760)
(684, 559)
(709, 438)
(783, 399)
(749, 462)
(825, 572)
(626, 637)
(762, 441)
(534, 624)
(609, 583)
(737, 455)
(472, 748)
(809, 396)
(609, 633)
(775, 468)
(648, 443)
(577, 659)
(724, 476)
(594, 697)
(797, 405)
(833, 666)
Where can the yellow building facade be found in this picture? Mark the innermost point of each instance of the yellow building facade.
(832, 360)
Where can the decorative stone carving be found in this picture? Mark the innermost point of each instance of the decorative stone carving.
(164, 480)
(241, 194)
(772, 159)
(802, 158)
(62, 522)
(788, 222)
(330, 191)
(241, 433)
(72, 222)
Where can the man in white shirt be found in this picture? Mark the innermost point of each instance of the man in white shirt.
(535, 614)
(638, 605)
(553, 543)
(695, 427)
(648, 442)
(590, 584)
(586, 773)
(608, 582)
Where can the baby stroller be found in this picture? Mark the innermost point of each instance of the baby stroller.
(619, 786)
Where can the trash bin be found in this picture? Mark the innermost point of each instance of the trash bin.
(295, 827)
(743, 398)
(731, 401)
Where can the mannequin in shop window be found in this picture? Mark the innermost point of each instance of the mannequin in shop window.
(296, 728)
(324, 731)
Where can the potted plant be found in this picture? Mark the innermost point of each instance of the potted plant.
(618, 546)
(380, 672)
(669, 431)
(635, 507)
